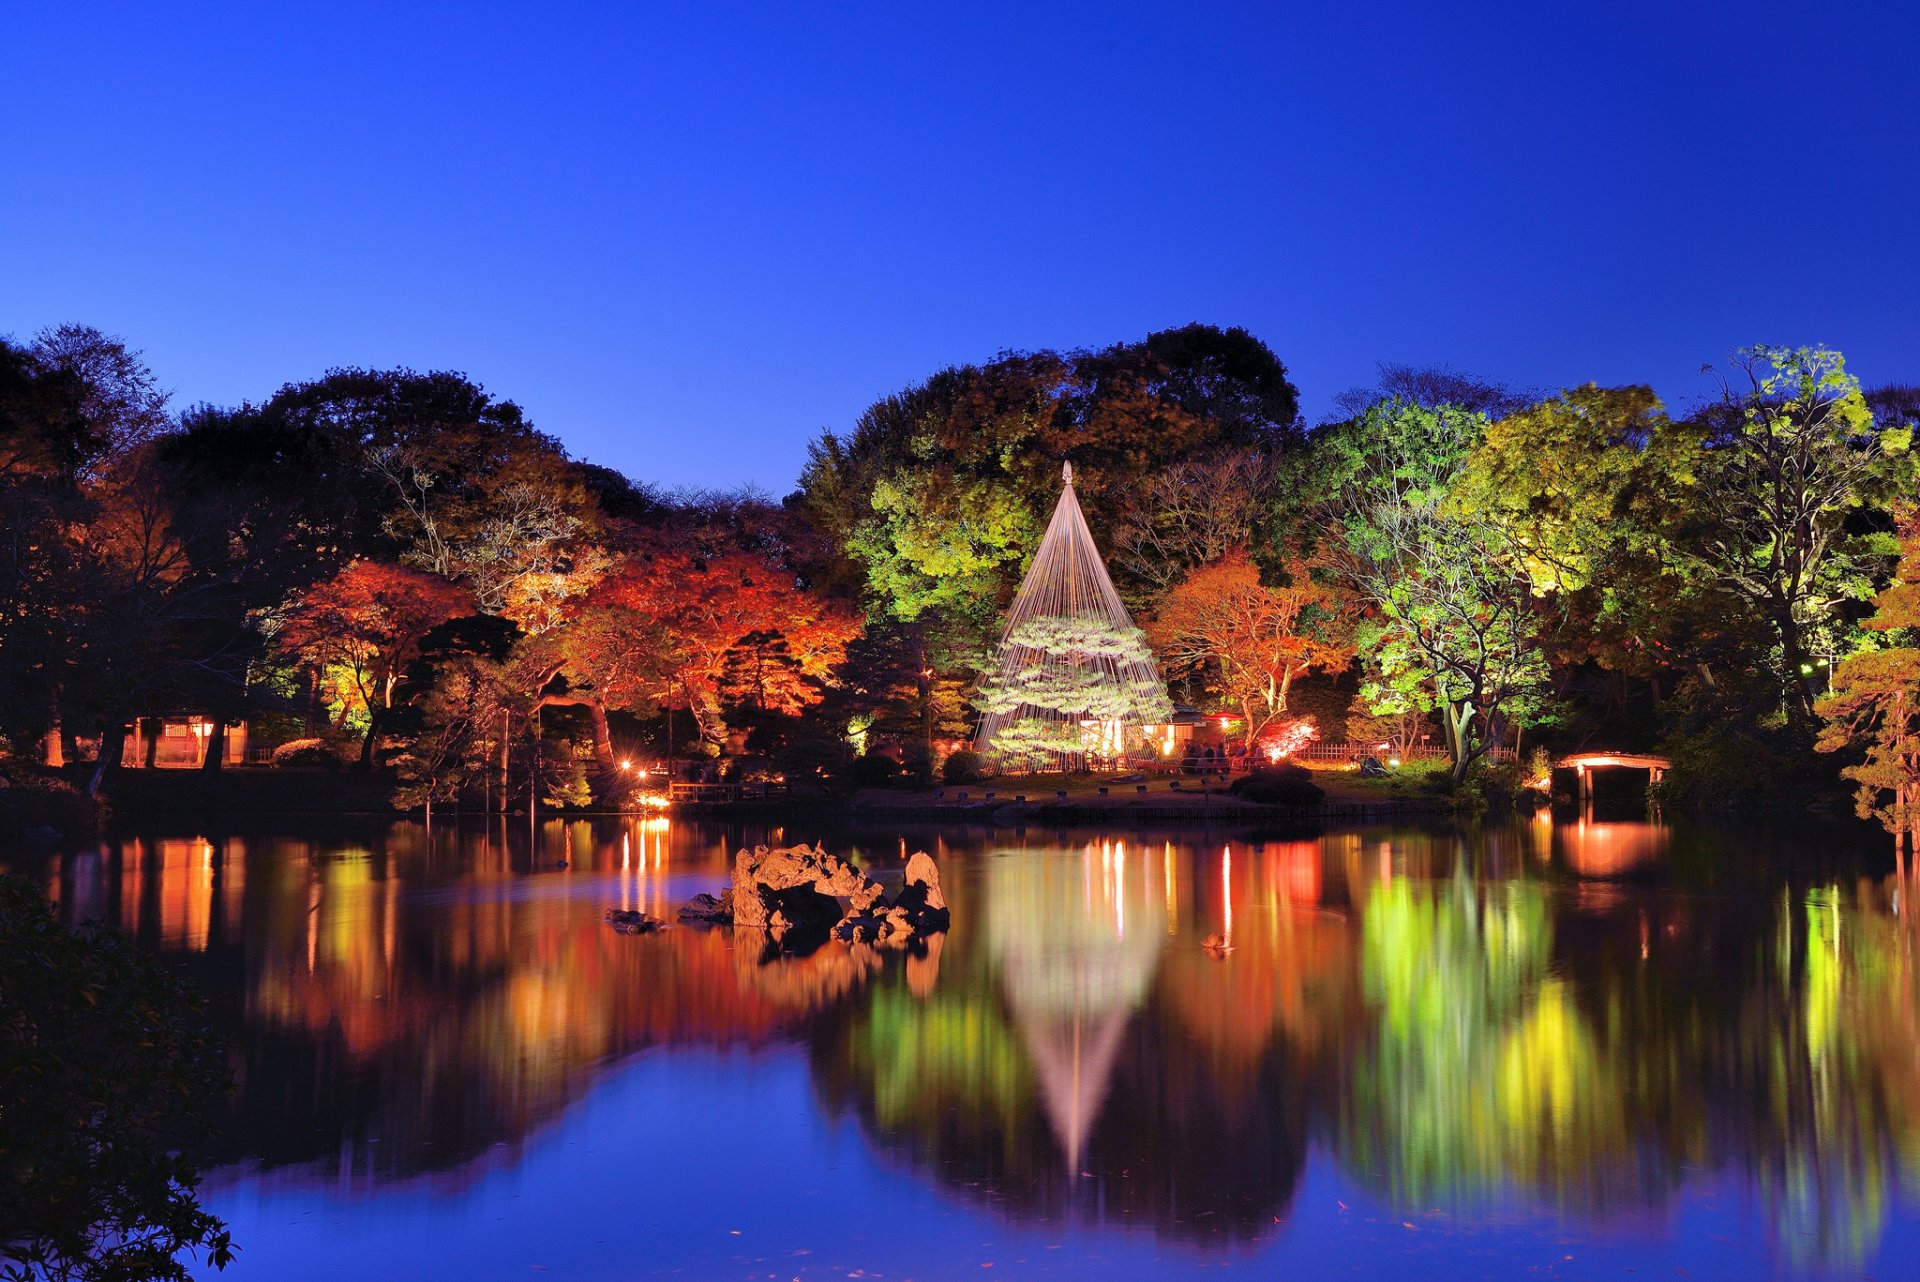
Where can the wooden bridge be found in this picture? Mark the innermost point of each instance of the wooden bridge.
(1583, 764)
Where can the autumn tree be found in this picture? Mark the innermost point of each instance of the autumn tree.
(1247, 641)
(731, 630)
(359, 631)
(1874, 704)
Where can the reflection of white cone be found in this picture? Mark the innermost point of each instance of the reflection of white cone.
(1077, 938)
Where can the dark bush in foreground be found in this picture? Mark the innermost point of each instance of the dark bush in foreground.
(105, 1063)
(964, 767)
(28, 804)
(1282, 784)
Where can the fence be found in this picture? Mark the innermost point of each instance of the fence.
(1351, 752)
(718, 793)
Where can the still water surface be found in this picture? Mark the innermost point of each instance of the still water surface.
(1573, 1049)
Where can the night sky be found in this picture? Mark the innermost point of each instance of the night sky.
(686, 240)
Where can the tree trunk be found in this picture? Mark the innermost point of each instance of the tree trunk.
(1799, 690)
(113, 742)
(367, 739)
(313, 710)
(216, 754)
(1457, 728)
(506, 737)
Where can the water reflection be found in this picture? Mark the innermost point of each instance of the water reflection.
(1585, 1020)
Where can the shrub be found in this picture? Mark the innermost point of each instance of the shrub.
(1499, 784)
(1284, 784)
(872, 771)
(306, 752)
(965, 767)
(810, 758)
(916, 763)
(48, 803)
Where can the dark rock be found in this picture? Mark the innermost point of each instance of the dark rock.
(705, 907)
(630, 921)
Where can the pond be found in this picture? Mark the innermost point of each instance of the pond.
(1546, 1048)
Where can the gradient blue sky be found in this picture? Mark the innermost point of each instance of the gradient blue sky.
(687, 238)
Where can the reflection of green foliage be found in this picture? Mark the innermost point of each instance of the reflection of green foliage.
(104, 1060)
(927, 1059)
(1840, 1124)
(1483, 1073)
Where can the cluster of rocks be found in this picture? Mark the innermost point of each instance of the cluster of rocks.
(919, 909)
(801, 895)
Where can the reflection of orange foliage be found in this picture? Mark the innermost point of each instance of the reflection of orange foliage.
(1291, 969)
(798, 985)
(923, 972)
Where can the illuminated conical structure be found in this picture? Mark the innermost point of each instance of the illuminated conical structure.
(1074, 674)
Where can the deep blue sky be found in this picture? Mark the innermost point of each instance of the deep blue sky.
(685, 240)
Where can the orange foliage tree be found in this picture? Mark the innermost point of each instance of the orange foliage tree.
(361, 628)
(1875, 705)
(1247, 641)
(725, 629)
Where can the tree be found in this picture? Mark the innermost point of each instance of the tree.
(362, 629)
(1189, 514)
(1562, 478)
(1874, 704)
(1078, 675)
(1433, 386)
(1452, 624)
(939, 493)
(1248, 641)
(1792, 454)
(732, 629)
(121, 400)
(106, 1062)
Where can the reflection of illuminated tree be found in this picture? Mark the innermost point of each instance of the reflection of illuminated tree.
(1074, 968)
(1482, 1073)
(1843, 1077)
(1149, 1124)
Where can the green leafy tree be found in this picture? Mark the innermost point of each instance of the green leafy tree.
(1453, 624)
(1792, 454)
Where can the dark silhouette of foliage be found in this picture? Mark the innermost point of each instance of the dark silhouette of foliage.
(106, 1064)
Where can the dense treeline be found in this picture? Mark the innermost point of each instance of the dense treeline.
(401, 570)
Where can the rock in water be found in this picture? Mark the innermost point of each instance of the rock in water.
(925, 908)
(629, 921)
(922, 869)
(704, 907)
(797, 889)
